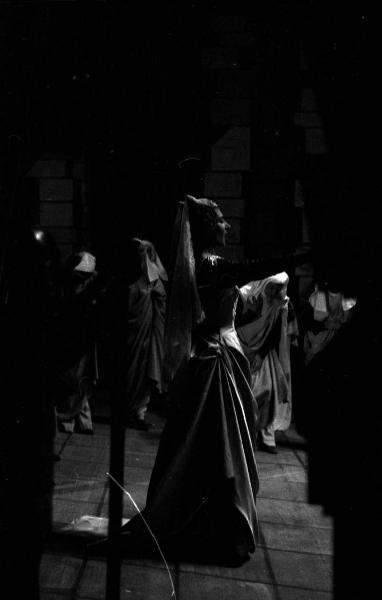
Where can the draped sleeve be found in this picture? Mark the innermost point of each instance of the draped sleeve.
(225, 273)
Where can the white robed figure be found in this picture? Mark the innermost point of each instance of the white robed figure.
(329, 311)
(269, 329)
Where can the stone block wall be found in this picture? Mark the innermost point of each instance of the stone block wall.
(266, 128)
(62, 204)
(230, 114)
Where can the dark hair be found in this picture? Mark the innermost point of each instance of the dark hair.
(203, 220)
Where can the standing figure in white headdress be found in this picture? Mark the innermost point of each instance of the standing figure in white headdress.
(145, 319)
(328, 311)
(76, 364)
(267, 328)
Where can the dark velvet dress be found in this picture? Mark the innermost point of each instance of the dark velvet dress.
(202, 493)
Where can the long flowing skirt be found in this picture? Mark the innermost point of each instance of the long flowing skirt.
(203, 488)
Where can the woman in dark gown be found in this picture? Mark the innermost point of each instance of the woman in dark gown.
(202, 494)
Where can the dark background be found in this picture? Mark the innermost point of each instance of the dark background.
(123, 85)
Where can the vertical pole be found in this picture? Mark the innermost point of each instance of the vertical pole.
(117, 429)
(117, 455)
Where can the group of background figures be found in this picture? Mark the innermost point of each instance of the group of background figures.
(267, 326)
(217, 346)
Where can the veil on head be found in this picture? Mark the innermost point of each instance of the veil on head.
(150, 264)
(153, 266)
(184, 309)
(254, 289)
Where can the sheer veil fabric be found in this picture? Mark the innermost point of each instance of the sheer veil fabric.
(184, 306)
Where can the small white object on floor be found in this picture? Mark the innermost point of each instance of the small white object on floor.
(89, 525)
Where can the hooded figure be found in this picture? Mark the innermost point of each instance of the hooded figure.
(266, 339)
(145, 316)
(77, 363)
(328, 312)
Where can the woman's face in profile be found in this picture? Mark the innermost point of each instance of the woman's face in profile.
(221, 228)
